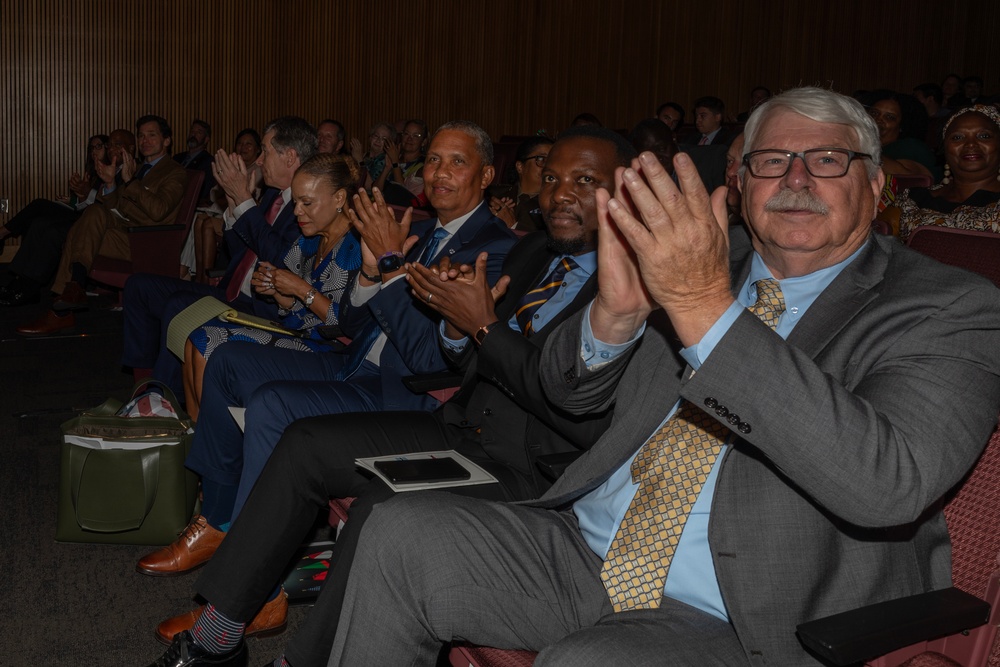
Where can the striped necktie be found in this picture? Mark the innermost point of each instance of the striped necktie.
(529, 304)
(670, 469)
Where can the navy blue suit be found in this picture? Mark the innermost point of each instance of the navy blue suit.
(152, 301)
(279, 386)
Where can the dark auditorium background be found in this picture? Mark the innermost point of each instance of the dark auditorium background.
(71, 69)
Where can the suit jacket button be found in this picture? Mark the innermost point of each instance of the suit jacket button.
(722, 411)
(733, 419)
(487, 412)
(743, 427)
(711, 402)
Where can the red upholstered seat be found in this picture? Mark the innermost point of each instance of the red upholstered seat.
(972, 250)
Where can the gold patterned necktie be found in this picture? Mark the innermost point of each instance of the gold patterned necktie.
(670, 469)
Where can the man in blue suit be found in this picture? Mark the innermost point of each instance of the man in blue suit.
(394, 335)
(253, 232)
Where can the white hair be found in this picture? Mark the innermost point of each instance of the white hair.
(822, 106)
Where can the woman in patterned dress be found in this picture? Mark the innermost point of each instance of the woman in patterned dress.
(968, 197)
(317, 271)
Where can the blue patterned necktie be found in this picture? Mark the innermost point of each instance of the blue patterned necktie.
(529, 304)
(143, 170)
(427, 256)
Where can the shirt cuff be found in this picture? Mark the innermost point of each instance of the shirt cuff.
(596, 353)
(698, 353)
(360, 294)
(450, 343)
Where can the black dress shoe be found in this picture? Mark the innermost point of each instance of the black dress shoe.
(183, 652)
(17, 295)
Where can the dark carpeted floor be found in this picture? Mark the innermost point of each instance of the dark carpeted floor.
(71, 604)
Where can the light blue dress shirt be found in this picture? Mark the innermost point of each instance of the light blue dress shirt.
(691, 578)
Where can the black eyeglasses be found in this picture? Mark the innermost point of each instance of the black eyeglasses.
(819, 162)
(413, 135)
(95, 147)
(539, 159)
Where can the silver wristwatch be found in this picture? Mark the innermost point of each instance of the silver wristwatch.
(310, 296)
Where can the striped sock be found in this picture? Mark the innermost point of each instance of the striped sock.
(215, 633)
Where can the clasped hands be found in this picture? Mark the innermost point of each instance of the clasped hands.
(269, 280)
(660, 246)
(461, 293)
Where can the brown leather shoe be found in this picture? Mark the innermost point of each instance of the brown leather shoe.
(49, 323)
(73, 297)
(270, 620)
(192, 549)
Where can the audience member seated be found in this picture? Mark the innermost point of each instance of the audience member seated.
(786, 425)
(393, 335)
(201, 252)
(930, 95)
(308, 288)
(499, 419)
(709, 113)
(968, 197)
(951, 88)
(149, 194)
(402, 182)
(44, 223)
(902, 126)
(331, 136)
(517, 204)
(758, 96)
(672, 114)
(374, 158)
(198, 157)
(972, 88)
(253, 232)
(651, 135)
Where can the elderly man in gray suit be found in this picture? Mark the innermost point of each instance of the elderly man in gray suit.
(786, 424)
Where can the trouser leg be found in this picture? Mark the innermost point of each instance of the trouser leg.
(41, 246)
(83, 243)
(432, 568)
(313, 462)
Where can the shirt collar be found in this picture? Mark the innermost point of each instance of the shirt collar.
(800, 292)
(456, 224)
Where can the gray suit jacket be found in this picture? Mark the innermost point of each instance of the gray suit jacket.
(877, 404)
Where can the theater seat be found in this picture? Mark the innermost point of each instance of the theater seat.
(154, 248)
(973, 250)
(955, 626)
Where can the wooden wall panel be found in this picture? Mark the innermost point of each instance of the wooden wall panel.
(72, 68)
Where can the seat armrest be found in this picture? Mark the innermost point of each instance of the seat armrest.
(862, 633)
(154, 228)
(428, 382)
(554, 465)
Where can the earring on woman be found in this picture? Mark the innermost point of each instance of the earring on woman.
(340, 209)
(947, 175)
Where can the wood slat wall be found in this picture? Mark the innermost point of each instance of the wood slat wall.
(71, 69)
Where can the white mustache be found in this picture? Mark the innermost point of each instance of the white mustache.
(803, 200)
